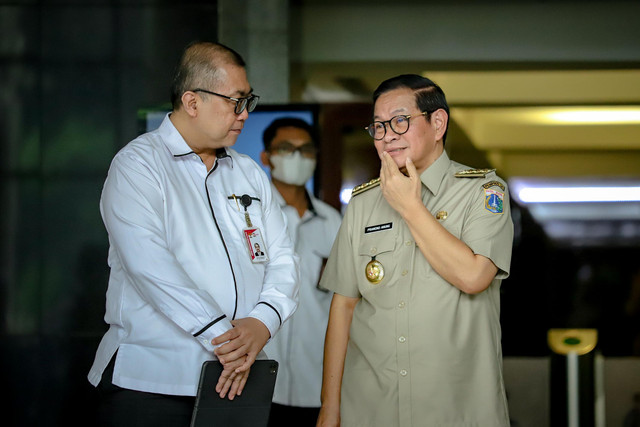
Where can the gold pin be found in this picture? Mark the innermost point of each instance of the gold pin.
(442, 215)
(374, 271)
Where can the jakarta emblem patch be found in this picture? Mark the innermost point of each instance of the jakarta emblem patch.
(493, 201)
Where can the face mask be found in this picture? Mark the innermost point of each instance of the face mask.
(292, 168)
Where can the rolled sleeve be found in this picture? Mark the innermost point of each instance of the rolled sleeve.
(490, 234)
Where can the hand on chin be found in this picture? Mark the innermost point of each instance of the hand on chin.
(401, 161)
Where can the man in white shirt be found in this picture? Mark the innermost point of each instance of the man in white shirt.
(291, 152)
(182, 211)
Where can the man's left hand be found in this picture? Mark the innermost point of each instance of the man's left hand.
(231, 382)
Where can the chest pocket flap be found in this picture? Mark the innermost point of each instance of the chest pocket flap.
(377, 244)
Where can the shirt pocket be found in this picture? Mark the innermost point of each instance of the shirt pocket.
(376, 253)
(238, 212)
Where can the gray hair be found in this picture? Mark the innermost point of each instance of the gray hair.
(199, 67)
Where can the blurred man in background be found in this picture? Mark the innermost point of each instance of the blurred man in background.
(290, 150)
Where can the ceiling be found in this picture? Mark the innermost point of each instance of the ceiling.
(558, 128)
(540, 128)
(558, 123)
(546, 92)
(583, 123)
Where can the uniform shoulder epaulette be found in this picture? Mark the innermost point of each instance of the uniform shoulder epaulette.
(473, 173)
(366, 186)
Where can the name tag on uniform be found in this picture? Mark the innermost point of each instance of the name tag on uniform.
(379, 227)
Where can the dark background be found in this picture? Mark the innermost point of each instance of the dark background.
(74, 76)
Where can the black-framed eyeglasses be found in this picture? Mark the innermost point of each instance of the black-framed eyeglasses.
(398, 124)
(285, 148)
(248, 102)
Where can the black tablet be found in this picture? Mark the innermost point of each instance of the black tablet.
(250, 409)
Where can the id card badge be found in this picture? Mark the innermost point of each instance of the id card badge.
(255, 244)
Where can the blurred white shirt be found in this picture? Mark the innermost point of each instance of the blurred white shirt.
(299, 346)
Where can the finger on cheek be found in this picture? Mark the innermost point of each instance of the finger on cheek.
(388, 160)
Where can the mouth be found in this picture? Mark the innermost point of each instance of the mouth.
(395, 151)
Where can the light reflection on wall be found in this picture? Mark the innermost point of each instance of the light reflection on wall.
(583, 212)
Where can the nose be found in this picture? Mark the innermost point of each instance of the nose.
(244, 115)
(389, 135)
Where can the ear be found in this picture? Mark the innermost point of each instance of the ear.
(439, 120)
(190, 103)
(264, 158)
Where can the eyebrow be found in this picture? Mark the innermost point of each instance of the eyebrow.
(243, 93)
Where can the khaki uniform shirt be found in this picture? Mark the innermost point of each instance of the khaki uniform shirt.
(421, 352)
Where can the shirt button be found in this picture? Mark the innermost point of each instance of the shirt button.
(403, 372)
(373, 250)
(401, 304)
(402, 339)
(404, 272)
(408, 243)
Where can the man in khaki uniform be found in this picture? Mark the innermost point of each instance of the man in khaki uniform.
(414, 336)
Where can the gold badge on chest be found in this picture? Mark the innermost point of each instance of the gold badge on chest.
(374, 271)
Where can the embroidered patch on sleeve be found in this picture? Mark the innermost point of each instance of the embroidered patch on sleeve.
(493, 201)
(493, 184)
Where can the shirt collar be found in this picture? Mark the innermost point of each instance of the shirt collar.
(172, 139)
(311, 208)
(222, 153)
(277, 196)
(176, 144)
(432, 177)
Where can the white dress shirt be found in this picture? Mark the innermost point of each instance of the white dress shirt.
(181, 269)
(299, 346)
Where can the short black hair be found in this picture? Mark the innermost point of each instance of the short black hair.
(287, 122)
(429, 96)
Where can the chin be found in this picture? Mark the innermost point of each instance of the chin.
(401, 162)
(402, 165)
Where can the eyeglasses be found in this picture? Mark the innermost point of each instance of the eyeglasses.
(286, 148)
(398, 124)
(248, 102)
